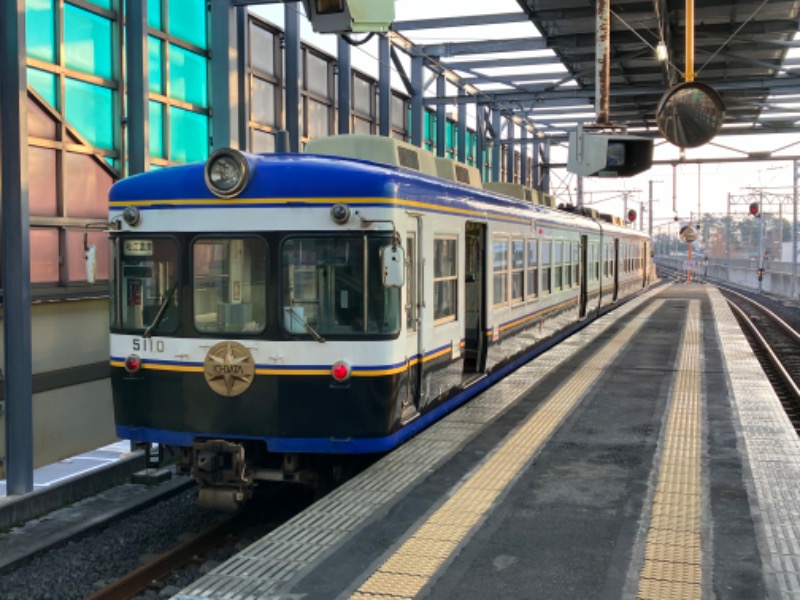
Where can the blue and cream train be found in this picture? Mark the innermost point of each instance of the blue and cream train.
(274, 314)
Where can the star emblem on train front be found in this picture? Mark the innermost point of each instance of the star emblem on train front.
(229, 369)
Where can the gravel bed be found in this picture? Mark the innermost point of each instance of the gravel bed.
(83, 566)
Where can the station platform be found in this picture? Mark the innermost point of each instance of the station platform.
(644, 457)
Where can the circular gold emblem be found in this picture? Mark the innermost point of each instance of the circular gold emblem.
(229, 369)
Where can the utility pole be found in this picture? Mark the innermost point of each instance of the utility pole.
(650, 209)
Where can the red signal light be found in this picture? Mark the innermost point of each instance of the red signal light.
(631, 216)
(755, 209)
(340, 371)
(133, 363)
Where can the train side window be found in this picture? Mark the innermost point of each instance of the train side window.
(547, 267)
(229, 285)
(594, 262)
(500, 270)
(576, 260)
(445, 279)
(558, 265)
(517, 270)
(533, 269)
(411, 282)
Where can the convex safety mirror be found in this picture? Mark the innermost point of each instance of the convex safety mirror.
(393, 260)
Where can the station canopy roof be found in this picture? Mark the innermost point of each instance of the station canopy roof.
(536, 59)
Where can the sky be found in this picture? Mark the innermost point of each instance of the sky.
(677, 190)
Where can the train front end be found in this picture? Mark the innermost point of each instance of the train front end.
(253, 319)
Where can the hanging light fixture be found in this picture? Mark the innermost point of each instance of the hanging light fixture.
(661, 51)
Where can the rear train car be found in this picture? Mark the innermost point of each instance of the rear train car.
(272, 315)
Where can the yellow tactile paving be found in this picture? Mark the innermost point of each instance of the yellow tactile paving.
(672, 565)
(405, 572)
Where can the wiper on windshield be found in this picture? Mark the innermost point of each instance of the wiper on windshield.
(161, 310)
(305, 324)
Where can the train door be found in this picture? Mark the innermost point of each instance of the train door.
(413, 294)
(615, 267)
(584, 274)
(645, 260)
(475, 299)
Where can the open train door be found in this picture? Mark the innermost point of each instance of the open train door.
(475, 297)
(584, 275)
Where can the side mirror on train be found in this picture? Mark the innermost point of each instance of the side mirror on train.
(393, 259)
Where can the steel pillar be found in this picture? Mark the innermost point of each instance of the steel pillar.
(292, 56)
(441, 117)
(461, 132)
(16, 249)
(510, 152)
(496, 145)
(417, 124)
(137, 82)
(345, 85)
(479, 139)
(385, 87)
(523, 163)
(224, 71)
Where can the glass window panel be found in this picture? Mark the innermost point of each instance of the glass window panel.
(187, 20)
(154, 14)
(363, 95)
(86, 187)
(40, 123)
(558, 252)
(89, 108)
(263, 105)
(156, 130)
(362, 126)
(516, 285)
(263, 142)
(188, 135)
(262, 49)
(517, 254)
(500, 288)
(76, 263)
(40, 29)
(444, 261)
(444, 299)
(42, 181)
(44, 255)
(500, 255)
(154, 62)
(102, 3)
(148, 280)
(87, 42)
(317, 76)
(188, 79)
(318, 119)
(229, 285)
(45, 85)
(398, 112)
(546, 251)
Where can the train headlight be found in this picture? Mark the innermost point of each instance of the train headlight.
(340, 371)
(133, 363)
(340, 213)
(226, 173)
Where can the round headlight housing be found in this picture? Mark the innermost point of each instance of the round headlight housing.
(226, 173)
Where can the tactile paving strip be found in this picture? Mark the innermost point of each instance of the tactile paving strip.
(772, 457)
(672, 569)
(404, 575)
(278, 557)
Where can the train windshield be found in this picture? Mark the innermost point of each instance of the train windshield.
(148, 273)
(333, 286)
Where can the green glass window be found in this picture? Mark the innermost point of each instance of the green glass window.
(187, 20)
(89, 109)
(154, 13)
(154, 52)
(156, 130)
(87, 42)
(188, 135)
(187, 76)
(45, 85)
(40, 29)
(101, 3)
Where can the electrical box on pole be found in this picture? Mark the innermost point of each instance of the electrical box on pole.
(608, 154)
(350, 16)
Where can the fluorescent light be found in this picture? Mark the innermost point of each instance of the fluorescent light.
(661, 51)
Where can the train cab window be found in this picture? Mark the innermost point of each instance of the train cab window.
(533, 269)
(148, 294)
(445, 279)
(500, 270)
(547, 267)
(229, 285)
(558, 265)
(517, 270)
(333, 286)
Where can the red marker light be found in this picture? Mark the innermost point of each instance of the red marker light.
(340, 371)
(133, 363)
